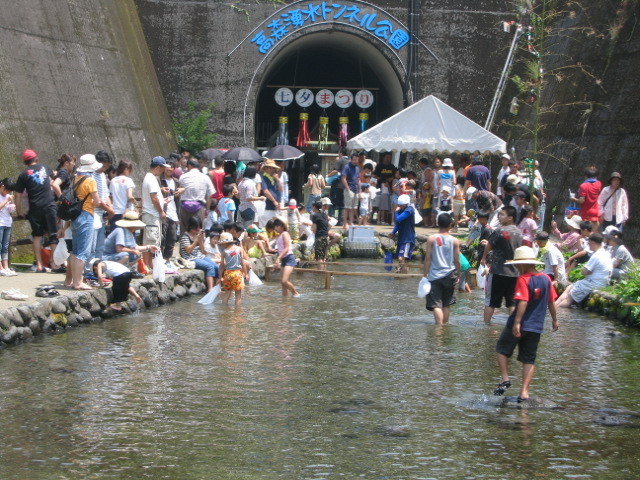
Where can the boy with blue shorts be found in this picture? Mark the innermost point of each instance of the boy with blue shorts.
(533, 294)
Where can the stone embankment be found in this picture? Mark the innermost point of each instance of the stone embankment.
(73, 308)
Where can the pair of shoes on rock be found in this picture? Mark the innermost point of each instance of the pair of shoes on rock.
(7, 272)
(13, 294)
(47, 291)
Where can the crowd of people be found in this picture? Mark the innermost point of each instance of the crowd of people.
(219, 217)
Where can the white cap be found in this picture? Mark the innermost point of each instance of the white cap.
(446, 188)
(447, 162)
(471, 191)
(506, 155)
(404, 200)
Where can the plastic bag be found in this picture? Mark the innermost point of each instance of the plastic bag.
(60, 254)
(254, 280)
(424, 287)
(416, 215)
(159, 268)
(211, 296)
(311, 239)
(481, 278)
(333, 221)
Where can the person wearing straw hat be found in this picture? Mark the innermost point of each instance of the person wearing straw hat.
(534, 294)
(614, 204)
(120, 246)
(570, 241)
(271, 189)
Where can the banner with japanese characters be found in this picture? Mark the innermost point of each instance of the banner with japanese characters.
(364, 17)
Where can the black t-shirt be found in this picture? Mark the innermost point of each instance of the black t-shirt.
(385, 172)
(321, 222)
(65, 179)
(36, 180)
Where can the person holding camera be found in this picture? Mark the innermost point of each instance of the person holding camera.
(192, 248)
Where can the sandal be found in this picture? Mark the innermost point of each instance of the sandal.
(521, 399)
(502, 387)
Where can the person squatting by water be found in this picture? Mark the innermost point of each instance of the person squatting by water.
(533, 294)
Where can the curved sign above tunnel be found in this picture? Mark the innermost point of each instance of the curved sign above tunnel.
(360, 15)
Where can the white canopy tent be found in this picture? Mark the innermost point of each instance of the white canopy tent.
(429, 125)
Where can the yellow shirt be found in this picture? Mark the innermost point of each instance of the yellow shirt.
(87, 187)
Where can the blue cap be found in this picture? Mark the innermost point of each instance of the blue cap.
(364, 185)
(157, 161)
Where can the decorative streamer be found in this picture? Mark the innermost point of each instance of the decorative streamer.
(303, 131)
(364, 119)
(283, 131)
(323, 133)
(343, 136)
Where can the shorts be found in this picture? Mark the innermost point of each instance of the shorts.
(363, 211)
(458, 209)
(43, 220)
(502, 287)
(583, 288)
(350, 199)
(289, 261)
(405, 250)
(233, 280)
(385, 202)
(153, 230)
(487, 290)
(442, 292)
(527, 345)
(320, 247)
(82, 230)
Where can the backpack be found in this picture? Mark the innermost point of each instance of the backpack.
(69, 205)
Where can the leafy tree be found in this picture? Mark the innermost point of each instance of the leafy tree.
(191, 128)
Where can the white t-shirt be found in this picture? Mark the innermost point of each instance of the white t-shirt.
(150, 185)
(503, 171)
(5, 213)
(600, 265)
(554, 257)
(113, 269)
(172, 210)
(118, 188)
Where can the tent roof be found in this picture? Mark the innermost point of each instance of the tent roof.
(429, 125)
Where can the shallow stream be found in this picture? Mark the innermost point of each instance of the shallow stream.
(355, 382)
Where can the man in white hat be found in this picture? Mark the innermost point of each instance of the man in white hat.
(534, 294)
(504, 171)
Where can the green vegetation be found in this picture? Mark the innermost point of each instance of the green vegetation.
(191, 128)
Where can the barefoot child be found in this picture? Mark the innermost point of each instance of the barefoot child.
(121, 277)
(533, 294)
(285, 256)
(232, 268)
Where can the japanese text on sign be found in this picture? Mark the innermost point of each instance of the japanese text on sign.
(316, 12)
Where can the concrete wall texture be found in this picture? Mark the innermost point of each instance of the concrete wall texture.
(190, 42)
(76, 76)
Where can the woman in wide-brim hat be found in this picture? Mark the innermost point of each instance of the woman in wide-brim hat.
(570, 241)
(614, 204)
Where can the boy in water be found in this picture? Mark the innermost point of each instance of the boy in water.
(533, 294)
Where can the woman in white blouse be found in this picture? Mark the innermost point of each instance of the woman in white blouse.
(614, 205)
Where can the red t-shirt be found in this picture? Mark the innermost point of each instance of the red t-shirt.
(217, 178)
(590, 190)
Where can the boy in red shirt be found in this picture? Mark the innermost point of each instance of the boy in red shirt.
(533, 294)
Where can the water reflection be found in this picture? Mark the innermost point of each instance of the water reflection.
(352, 382)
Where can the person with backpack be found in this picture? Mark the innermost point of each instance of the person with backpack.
(86, 190)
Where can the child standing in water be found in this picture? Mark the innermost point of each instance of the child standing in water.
(285, 256)
(232, 268)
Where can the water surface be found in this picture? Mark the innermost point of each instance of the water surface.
(355, 382)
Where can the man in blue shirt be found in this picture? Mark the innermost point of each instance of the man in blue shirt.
(405, 227)
(478, 175)
(351, 182)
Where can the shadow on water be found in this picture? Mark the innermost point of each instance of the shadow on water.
(351, 382)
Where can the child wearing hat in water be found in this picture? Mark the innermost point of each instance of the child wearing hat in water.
(285, 256)
(365, 201)
(533, 295)
(121, 276)
(232, 268)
